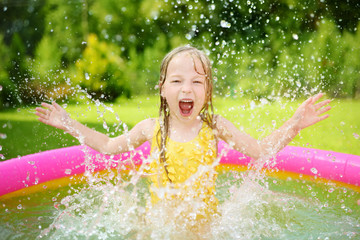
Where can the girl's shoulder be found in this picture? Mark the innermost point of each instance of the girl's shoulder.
(223, 127)
(149, 122)
(219, 121)
(145, 128)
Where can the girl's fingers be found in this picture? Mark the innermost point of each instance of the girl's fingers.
(317, 97)
(39, 114)
(40, 110)
(43, 120)
(323, 110)
(57, 106)
(49, 106)
(46, 105)
(307, 101)
(323, 117)
(45, 112)
(321, 104)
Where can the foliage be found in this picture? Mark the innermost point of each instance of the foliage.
(6, 86)
(100, 70)
(260, 49)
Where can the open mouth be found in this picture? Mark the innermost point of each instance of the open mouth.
(186, 106)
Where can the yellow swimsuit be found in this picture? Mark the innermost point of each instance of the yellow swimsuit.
(189, 168)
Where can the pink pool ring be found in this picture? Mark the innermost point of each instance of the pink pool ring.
(26, 171)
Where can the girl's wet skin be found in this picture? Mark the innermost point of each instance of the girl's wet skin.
(186, 114)
(185, 93)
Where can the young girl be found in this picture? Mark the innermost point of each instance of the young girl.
(184, 138)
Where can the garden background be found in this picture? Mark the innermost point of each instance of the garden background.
(101, 60)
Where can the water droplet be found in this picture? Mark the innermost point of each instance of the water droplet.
(252, 105)
(3, 136)
(314, 170)
(108, 18)
(1, 88)
(68, 171)
(5, 9)
(225, 24)
(356, 136)
(188, 36)
(87, 77)
(295, 36)
(31, 162)
(19, 206)
(273, 122)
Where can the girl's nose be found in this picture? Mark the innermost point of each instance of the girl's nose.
(186, 87)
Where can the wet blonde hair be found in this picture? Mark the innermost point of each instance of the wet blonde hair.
(206, 113)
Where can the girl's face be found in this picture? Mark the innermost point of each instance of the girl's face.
(185, 87)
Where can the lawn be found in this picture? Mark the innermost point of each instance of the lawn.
(22, 134)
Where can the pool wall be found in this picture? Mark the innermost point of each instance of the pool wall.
(38, 170)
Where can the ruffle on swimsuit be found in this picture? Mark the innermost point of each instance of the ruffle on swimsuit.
(189, 168)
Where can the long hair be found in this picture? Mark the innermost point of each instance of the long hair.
(206, 113)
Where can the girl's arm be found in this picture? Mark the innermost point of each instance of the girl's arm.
(306, 115)
(56, 116)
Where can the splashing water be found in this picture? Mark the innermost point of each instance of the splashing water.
(116, 204)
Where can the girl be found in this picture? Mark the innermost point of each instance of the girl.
(184, 137)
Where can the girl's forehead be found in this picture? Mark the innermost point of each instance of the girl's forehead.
(185, 62)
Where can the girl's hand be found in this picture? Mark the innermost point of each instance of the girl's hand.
(53, 115)
(309, 112)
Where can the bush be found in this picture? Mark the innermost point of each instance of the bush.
(7, 87)
(101, 70)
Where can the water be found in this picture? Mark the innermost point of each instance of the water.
(111, 207)
(251, 206)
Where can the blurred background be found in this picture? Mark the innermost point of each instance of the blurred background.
(83, 52)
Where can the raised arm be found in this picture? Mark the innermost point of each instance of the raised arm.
(307, 114)
(54, 115)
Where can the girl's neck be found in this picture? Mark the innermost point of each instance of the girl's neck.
(184, 131)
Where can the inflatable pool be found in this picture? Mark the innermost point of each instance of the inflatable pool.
(55, 168)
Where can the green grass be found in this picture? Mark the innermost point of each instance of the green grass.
(22, 134)
(340, 132)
